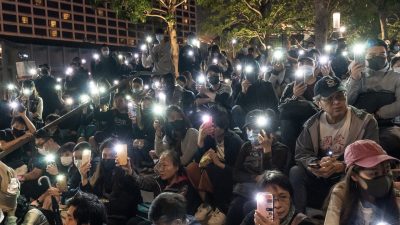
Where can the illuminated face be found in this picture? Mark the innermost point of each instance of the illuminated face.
(335, 105)
(108, 153)
(282, 200)
(70, 220)
(166, 168)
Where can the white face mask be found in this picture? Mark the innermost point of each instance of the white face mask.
(66, 160)
(396, 69)
(78, 163)
(1, 216)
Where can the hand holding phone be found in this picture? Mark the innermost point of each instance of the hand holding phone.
(265, 205)
(86, 156)
(314, 165)
(122, 154)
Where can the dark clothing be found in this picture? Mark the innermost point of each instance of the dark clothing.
(19, 156)
(259, 95)
(189, 62)
(77, 83)
(340, 65)
(222, 97)
(45, 85)
(249, 220)
(118, 123)
(252, 162)
(147, 131)
(106, 69)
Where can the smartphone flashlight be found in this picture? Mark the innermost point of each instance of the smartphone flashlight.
(190, 53)
(206, 118)
(158, 109)
(11, 87)
(96, 56)
(262, 121)
(13, 104)
(239, 67)
(323, 60)
(50, 158)
(57, 87)
(69, 101)
(84, 98)
(248, 69)
(201, 79)
(149, 39)
(69, 71)
(215, 61)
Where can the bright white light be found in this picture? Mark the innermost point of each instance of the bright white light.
(11, 87)
(201, 79)
(234, 41)
(96, 56)
(262, 121)
(190, 53)
(84, 98)
(328, 48)
(57, 87)
(264, 69)
(50, 158)
(102, 90)
(69, 71)
(59, 80)
(94, 91)
(118, 148)
(239, 67)
(324, 59)
(13, 105)
(359, 49)
(128, 97)
(301, 52)
(26, 92)
(69, 101)
(227, 81)
(215, 61)
(116, 82)
(143, 47)
(248, 69)
(196, 43)
(259, 197)
(149, 39)
(162, 96)
(120, 57)
(382, 223)
(136, 55)
(126, 62)
(269, 47)
(157, 84)
(206, 118)
(32, 71)
(158, 109)
(60, 178)
(345, 53)
(83, 61)
(278, 54)
(342, 29)
(146, 87)
(92, 84)
(130, 104)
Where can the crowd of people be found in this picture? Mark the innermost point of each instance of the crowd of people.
(301, 128)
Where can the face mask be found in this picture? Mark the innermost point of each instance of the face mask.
(66, 160)
(42, 151)
(17, 133)
(376, 63)
(108, 164)
(396, 69)
(136, 90)
(308, 71)
(214, 80)
(379, 187)
(252, 136)
(78, 163)
(178, 125)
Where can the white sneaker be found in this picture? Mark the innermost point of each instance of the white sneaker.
(217, 218)
(202, 212)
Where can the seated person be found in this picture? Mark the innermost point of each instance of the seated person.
(261, 152)
(211, 173)
(281, 74)
(85, 208)
(111, 183)
(254, 94)
(375, 87)
(54, 131)
(142, 123)
(366, 194)
(176, 135)
(15, 142)
(277, 184)
(320, 146)
(395, 63)
(138, 92)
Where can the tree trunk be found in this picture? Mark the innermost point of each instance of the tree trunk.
(321, 23)
(382, 20)
(174, 46)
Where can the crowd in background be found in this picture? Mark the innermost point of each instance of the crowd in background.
(315, 130)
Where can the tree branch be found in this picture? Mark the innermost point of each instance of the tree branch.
(155, 15)
(252, 8)
(159, 10)
(179, 4)
(163, 3)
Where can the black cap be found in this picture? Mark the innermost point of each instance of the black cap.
(270, 116)
(327, 86)
(376, 42)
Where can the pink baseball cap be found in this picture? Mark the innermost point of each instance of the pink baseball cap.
(365, 153)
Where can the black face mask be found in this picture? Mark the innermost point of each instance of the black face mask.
(17, 133)
(176, 127)
(108, 164)
(377, 63)
(214, 80)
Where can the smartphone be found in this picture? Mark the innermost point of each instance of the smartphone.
(359, 58)
(122, 154)
(86, 156)
(265, 204)
(131, 109)
(314, 165)
(62, 182)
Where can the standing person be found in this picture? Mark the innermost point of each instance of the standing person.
(105, 67)
(190, 57)
(366, 195)
(32, 102)
(159, 56)
(76, 82)
(375, 87)
(320, 146)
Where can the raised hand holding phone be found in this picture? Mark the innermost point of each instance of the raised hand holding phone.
(122, 154)
(265, 210)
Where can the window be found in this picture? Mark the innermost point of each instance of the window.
(52, 4)
(90, 20)
(40, 32)
(67, 35)
(100, 12)
(66, 16)
(40, 22)
(101, 30)
(78, 9)
(10, 18)
(67, 26)
(38, 2)
(102, 39)
(53, 23)
(53, 14)
(79, 36)
(79, 27)
(185, 21)
(91, 29)
(53, 33)
(25, 30)
(78, 18)
(23, 9)
(10, 28)
(24, 20)
(131, 42)
(8, 7)
(39, 12)
(65, 7)
(185, 7)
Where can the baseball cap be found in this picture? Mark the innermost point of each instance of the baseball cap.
(365, 153)
(327, 86)
(253, 119)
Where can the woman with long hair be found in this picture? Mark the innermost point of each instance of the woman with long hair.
(366, 195)
(32, 101)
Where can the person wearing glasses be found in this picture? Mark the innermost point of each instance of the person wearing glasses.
(374, 86)
(320, 146)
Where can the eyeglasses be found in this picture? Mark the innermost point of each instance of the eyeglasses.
(282, 198)
(340, 96)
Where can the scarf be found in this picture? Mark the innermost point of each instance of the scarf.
(289, 217)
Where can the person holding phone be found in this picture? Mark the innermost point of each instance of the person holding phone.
(261, 152)
(275, 183)
(323, 140)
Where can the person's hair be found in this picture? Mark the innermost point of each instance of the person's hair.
(176, 161)
(30, 84)
(275, 178)
(108, 143)
(187, 74)
(168, 207)
(213, 68)
(67, 147)
(88, 209)
(140, 115)
(394, 60)
(98, 176)
(176, 144)
(51, 117)
(42, 133)
(375, 42)
(220, 116)
(349, 210)
(215, 48)
(137, 80)
(18, 119)
(81, 146)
